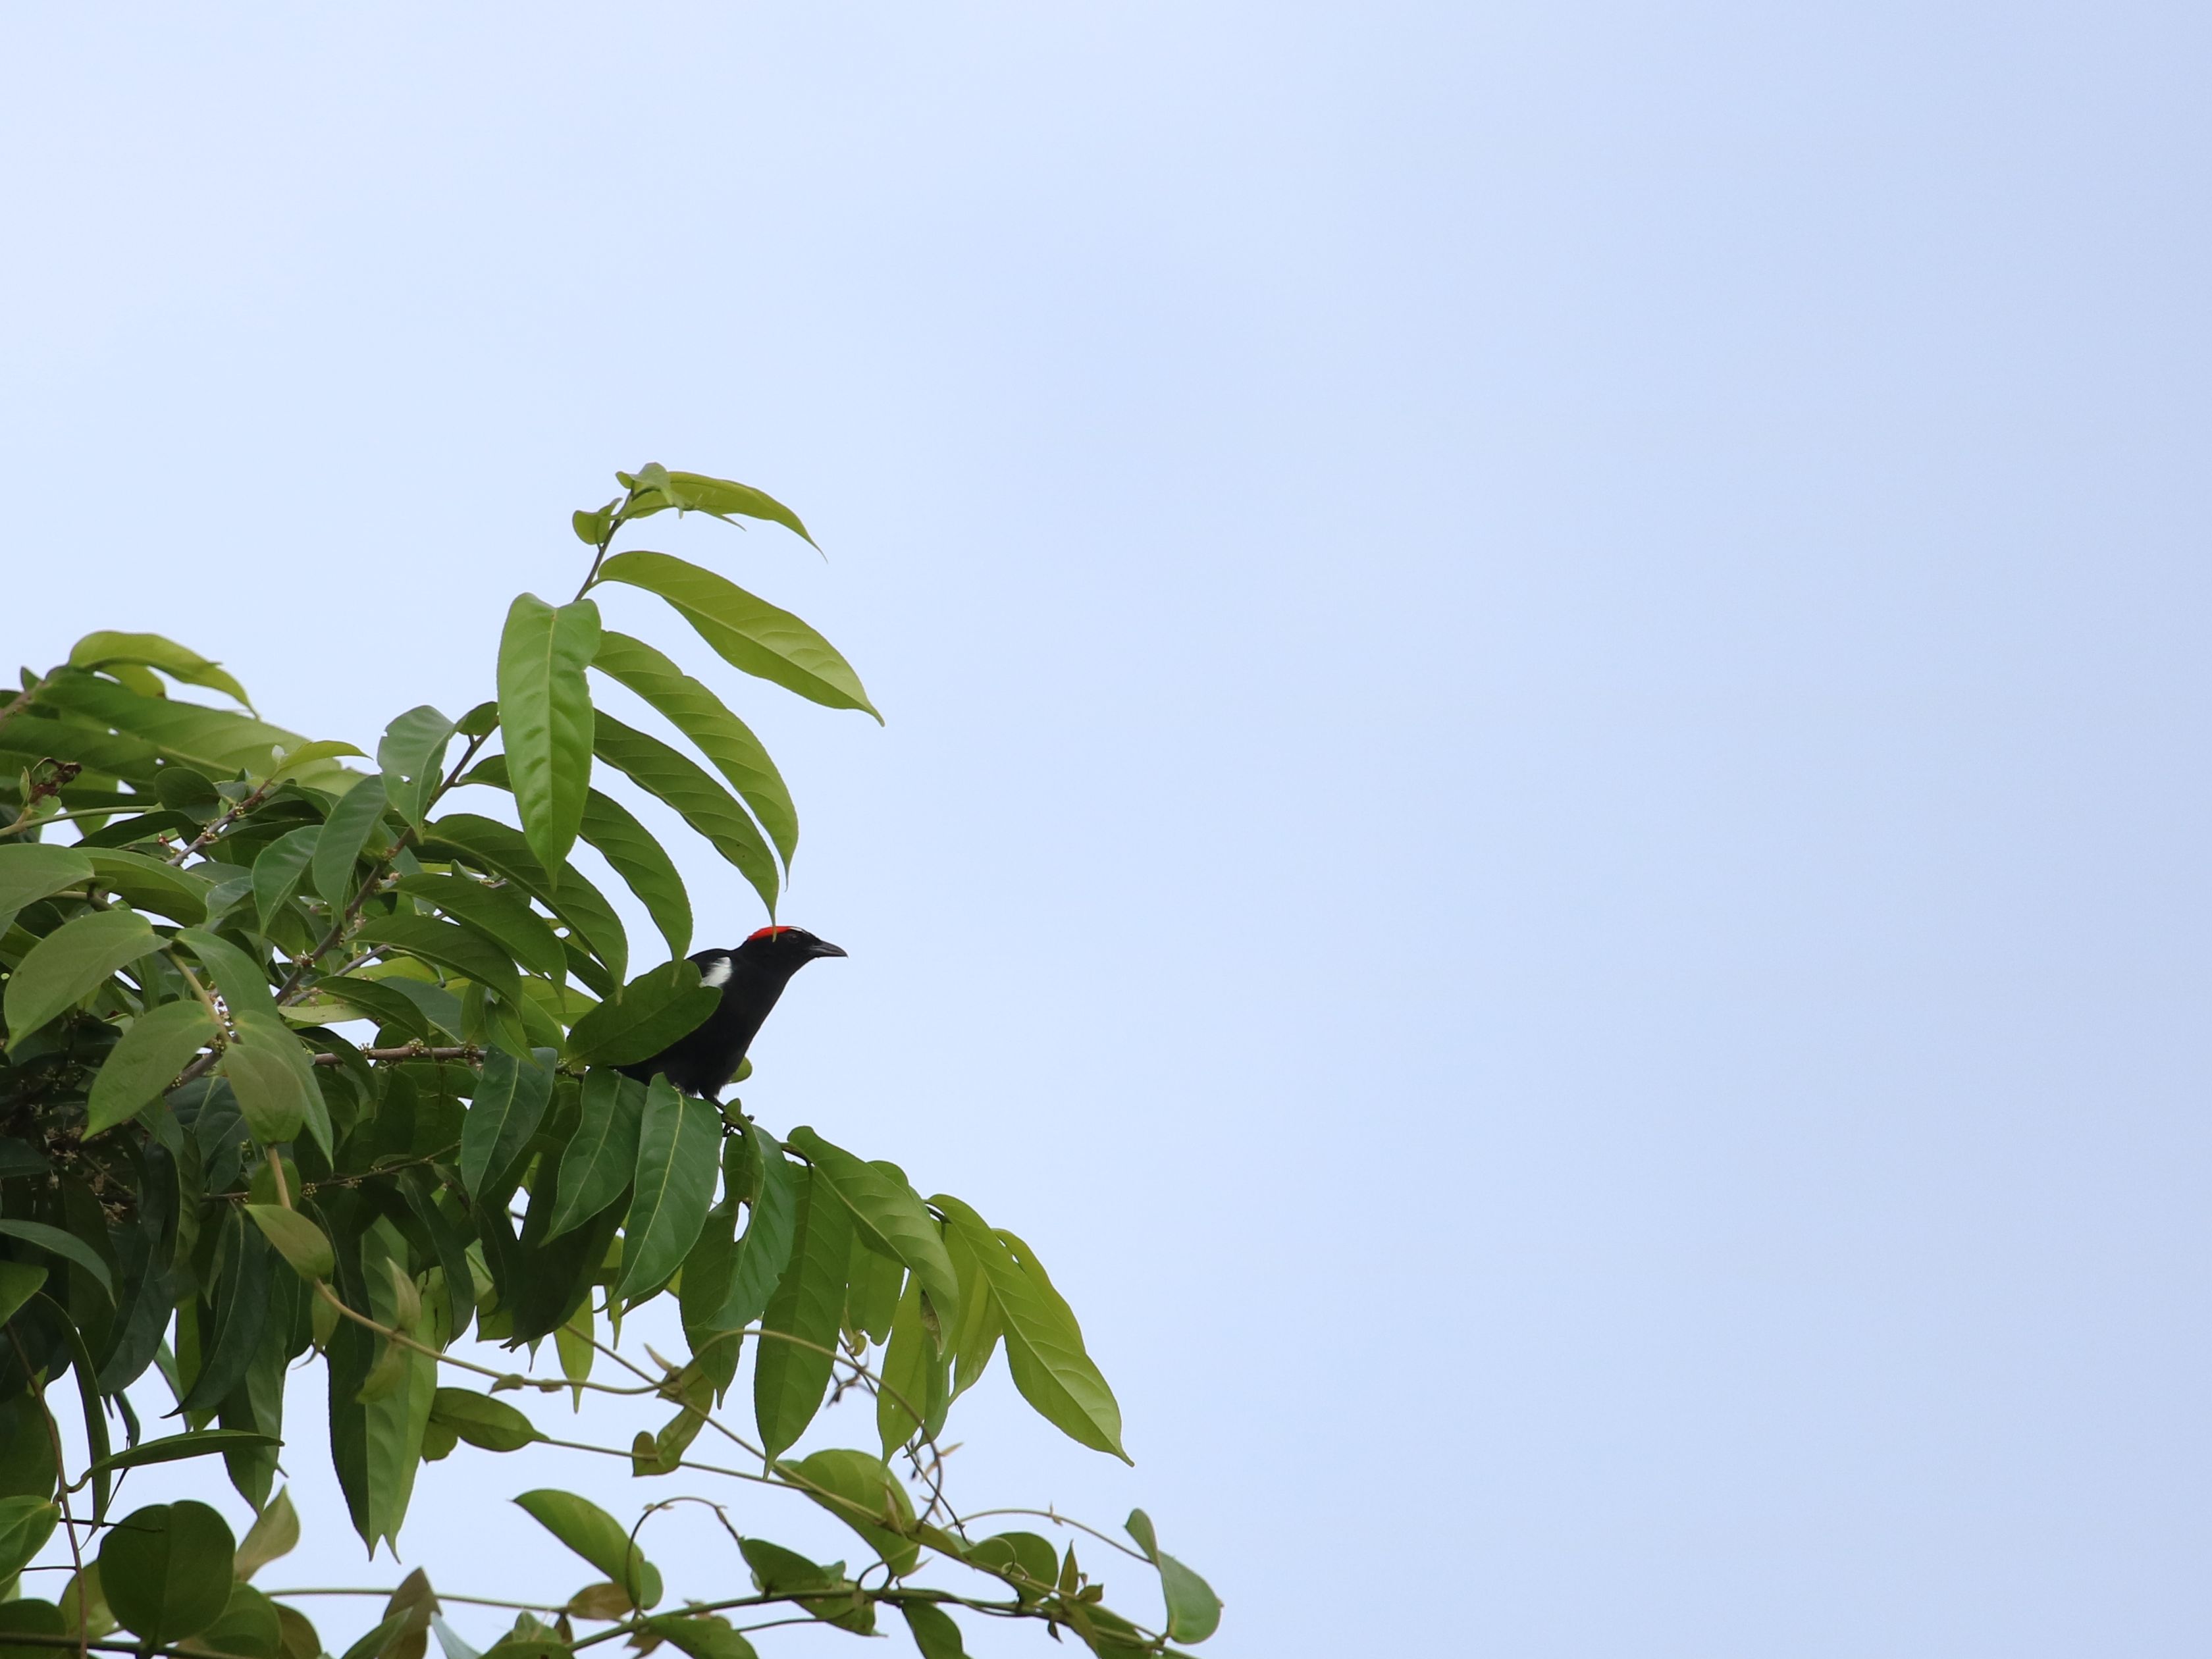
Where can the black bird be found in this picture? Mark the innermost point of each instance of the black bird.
(751, 977)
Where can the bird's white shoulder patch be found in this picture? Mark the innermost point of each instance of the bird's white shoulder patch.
(716, 972)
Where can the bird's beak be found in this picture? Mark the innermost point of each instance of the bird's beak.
(823, 948)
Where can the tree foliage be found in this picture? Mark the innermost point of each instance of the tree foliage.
(201, 1172)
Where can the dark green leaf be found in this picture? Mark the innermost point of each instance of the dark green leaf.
(30, 1617)
(701, 716)
(167, 1570)
(501, 912)
(702, 803)
(1044, 1345)
(151, 883)
(700, 1637)
(358, 815)
(483, 1421)
(934, 1633)
(248, 1629)
(201, 1443)
(412, 756)
(511, 1099)
(674, 1184)
(229, 1341)
(449, 945)
(30, 869)
(152, 1050)
(1027, 1560)
(26, 1523)
(68, 1246)
(889, 1214)
(861, 1491)
(779, 1571)
(745, 631)
(652, 1012)
(71, 963)
(297, 1239)
(19, 1282)
(279, 869)
(268, 1088)
(791, 1371)
(546, 713)
(597, 1536)
(596, 1163)
(493, 845)
(764, 1252)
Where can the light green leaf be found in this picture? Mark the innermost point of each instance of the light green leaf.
(602, 1154)
(55, 1242)
(545, 712)
(792, 1369)
(702, 803)
(655, 488)
(653, 1011)
(1044, 1345)
(412, 756)
(745, 631)
(166, 1571)
(975, 1336)
(861, 1491)
(913, 1374)
(152, 1051)
(309, 759)
(597, 1536)
(30, 869)
(1194, 1610)
(358, 816)
(108, 647)
(674, 1186)
(71, 963)
(26, 1523)
(274, 1532)
(701, 716)
(297, 1239)
(268, 1090)
(890, 1213)
(501, 912)
(510, 1101)
(446, 945)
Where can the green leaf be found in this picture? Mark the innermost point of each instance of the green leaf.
(600, 1157)
(493, 845)
(934, 1633)
(297, 1239)
(71, 963)
(30, 869)
(1044, 1345)
(152, 1050)
(274, 1532)
(700, 1637)
(243, 982)
(19, 1282)
(108, 647)
(545, 712)
(358, 815)
(701, 716)
(890, 1213)
(412, 756)
(483, 1421)
(1194, 1610)
(248, 1628)
(28, 1616)
(655, 489)
(68, 1246)
(593, 1534)
(650, 1012)
(460, 950)
(629, 847)
(764, 1252)
(166, 1571)
(779, 1571)
(701, 803)
(151, 883)
(674, 1184)
(500, 912)
(26, 1523)
(309, 759)
(199, 1443)
(861, 1491)
(745, 631)
(211, 740)
(1023, 1559)
(510, 1101)
(279, 869)
(976, 1335)
(799, 1333)
(268, 1088)
(914, 1376)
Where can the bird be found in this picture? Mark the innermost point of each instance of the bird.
(751, 978)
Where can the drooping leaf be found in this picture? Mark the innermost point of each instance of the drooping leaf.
(499, 911)
(935, 1634)
(600, 1157)
(297, 1239)
(213, 741)
(274, 1532)
(511, 1099)
(494, 846)
(1044, 1345)
(166, 1569)
(1194, 1610)
(151, 1052)
(701, 716)
(279, 869)
(915, 1384)
(974, 1336)
(268, 1090)
(745, 631)
(597, 1536)
(702, 1635)
(697, 799)
(674, 1184)
(241, 1302)
(358, 815)
(653, 1011)
(67, 1245)
(890, 1213)
(412, 757)
(654, 489)
(106, 647)
(483, 1421)
(545, 715)
(70, 963)
(764, 1251)
(792, 1369)
(861, 1491)
(446, 945)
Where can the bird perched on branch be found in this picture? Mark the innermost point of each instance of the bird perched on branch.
(751, 978)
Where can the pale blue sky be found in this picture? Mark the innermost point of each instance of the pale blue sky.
(1544, 811)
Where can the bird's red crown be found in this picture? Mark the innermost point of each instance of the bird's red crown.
(765, 933)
